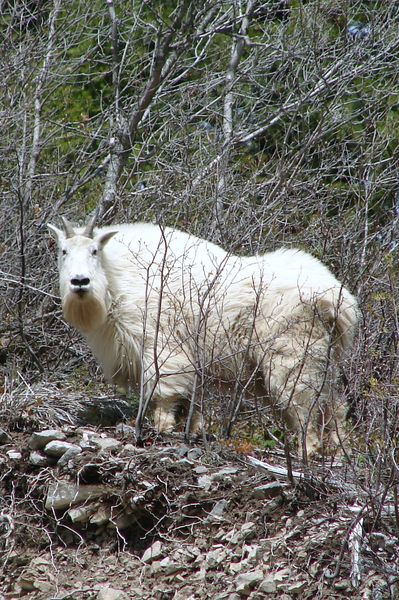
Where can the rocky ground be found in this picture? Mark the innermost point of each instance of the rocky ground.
(86, 513)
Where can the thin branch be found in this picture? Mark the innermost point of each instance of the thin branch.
(122, 144)
(238, 47)
(38, 101)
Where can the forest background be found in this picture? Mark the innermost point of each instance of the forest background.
(252, 124)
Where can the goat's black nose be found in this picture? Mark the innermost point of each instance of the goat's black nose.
(80, 280)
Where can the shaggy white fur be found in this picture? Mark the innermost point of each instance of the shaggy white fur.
(158, 306)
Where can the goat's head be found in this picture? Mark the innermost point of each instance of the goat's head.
(83, 281)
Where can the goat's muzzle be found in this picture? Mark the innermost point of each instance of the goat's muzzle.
(80, 284)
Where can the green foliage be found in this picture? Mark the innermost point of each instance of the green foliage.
(134, 402)
(265, 442)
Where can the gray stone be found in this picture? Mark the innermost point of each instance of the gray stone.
(297, 587)
(106, 412)
(105, 443)
(169, 566)
(215, 557)
(87, 445)
(108, 593)
(205, 482)
(182, 461)
(281, 574)
(343, 584)
(224, 473)
(39, 439)
(57, 448)
(200, 470)
(14, 454)
(186, 593)
(37, 576)
(218, 510)
(182, 451)
(43, 586)
(269, 490)
(62, 494)
(246, 582)
(192, 553)
(129, 448)
(154, 552)
(248, 530)
(169, 451)
(252, 553)
(195, 453)
(81, 514)
(4, 437)
(37, 459)
(125, 430)
(268, 586)
(235, 568)
(69, 455)
(101, 516)
(122, 521)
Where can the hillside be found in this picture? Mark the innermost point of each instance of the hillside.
(254, 125)
(94, 516)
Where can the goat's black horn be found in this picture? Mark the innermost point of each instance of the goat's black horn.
(68, 227)
(88, 232)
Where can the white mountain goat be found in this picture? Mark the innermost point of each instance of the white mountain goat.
(160, 307)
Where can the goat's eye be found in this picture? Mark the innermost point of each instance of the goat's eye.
(94, 252)
(64, 252)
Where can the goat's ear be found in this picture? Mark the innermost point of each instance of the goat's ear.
(59, 234)
(103, 238)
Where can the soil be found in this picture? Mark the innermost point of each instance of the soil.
(171, 519)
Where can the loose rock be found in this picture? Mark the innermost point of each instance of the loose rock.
(108, 593)
(105, 443)
(268, 586)
(37, 459)
(215, 557)
(69, 455)
(14, 454)
(205, 482)
(169, 566)
(247, 582)
(62, 494)
(37, 576)
(81, 514)
(125, 430)
(101, 516)
(218, 510)
(152, 553)
(4, 437)
(195, 453)
(269, 490)
(57, 448)
(39, 439)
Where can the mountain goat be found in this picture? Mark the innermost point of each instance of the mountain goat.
(159, 306)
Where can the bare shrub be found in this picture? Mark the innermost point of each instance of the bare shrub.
(243, 123)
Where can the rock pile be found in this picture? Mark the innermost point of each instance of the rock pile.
(170, 521)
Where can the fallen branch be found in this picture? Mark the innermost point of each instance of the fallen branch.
(354, 543)
(279, 471)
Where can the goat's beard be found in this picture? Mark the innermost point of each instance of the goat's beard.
(86, 313)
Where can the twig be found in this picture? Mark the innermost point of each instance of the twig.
(121, 144)
(345, 541)
(239, 44)
(354, 543)
(279, 471)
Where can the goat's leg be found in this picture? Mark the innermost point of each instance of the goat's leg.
(299, 378)
(165, 414)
